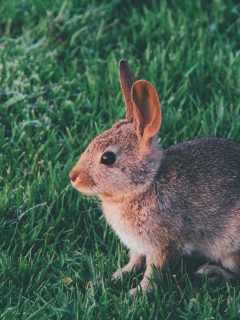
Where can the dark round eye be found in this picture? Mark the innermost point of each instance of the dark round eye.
(108, 158)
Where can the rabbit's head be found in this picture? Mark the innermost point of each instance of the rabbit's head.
(124, 159)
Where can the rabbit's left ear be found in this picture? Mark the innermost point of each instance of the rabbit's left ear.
(146, 109)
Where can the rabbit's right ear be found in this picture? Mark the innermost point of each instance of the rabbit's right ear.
(127, 79)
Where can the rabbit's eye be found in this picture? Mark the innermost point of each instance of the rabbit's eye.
(108, 158)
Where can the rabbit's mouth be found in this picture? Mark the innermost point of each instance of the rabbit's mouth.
(83, 183)
(83, 189)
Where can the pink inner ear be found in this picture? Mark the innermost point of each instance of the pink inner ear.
(141, 98)
(147, 109)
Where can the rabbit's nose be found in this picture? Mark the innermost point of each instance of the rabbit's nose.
(73, 175)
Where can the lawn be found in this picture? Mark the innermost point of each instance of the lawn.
(59, 88)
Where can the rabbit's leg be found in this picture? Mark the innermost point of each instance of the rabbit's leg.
(161, 263)
(145, 283)
(135, 263)
(214, 271)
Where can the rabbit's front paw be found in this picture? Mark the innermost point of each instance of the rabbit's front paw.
(133, 292)
(120, 273)
(142, 287)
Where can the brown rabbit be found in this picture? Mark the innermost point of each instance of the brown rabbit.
(161, 204)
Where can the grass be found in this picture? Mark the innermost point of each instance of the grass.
(59, 88)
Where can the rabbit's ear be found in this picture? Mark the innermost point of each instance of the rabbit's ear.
(127, 79)
(146, 109)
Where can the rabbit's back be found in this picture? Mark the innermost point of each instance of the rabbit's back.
(209, 168)
(198, 185)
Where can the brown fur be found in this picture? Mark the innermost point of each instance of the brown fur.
(161, 204)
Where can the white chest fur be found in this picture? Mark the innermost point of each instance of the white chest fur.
(124, 230)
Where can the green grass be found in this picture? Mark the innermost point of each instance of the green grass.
(59, 88)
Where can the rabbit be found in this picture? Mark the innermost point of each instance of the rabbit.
(163, 204)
